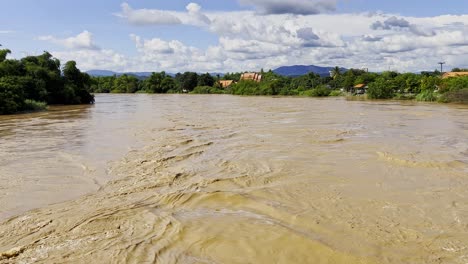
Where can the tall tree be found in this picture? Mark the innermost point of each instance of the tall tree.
(335, 73)
(3, 54)
(206, 80)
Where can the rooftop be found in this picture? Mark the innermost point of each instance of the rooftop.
(454, 74)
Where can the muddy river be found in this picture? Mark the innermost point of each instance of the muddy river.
(225, 179)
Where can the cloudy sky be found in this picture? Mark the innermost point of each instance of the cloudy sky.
(238, 35)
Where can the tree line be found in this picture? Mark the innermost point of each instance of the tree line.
(158, 82)
(426, 86)
(35, 81)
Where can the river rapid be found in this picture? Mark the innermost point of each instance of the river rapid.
(227, 179)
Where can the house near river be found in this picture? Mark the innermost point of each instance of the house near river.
(251, 76)
(454, 74)
(360, 88)
(247, 76)
(226, 83)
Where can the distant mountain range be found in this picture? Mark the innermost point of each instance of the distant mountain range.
(295, 70)
(299, 70)
(104, 73)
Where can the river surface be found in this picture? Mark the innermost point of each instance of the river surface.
(226, 179)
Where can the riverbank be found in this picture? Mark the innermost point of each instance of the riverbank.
(427, 86)
(33, 82)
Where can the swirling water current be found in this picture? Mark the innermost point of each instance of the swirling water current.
(226, 179)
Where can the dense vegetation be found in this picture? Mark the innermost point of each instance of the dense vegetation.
(427, 86)
(35, 81)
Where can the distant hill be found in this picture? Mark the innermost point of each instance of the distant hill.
(298, 70)
(100, 73)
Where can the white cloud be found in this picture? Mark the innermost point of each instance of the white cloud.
(148, 16)
(95, 59)
(193, 16)
(84, 40)
(174, 56)
(248, 40)
(196, 17)
(394, 23)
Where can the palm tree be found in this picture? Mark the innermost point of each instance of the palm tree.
(335, 72)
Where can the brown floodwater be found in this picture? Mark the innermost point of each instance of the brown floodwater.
(226, 179)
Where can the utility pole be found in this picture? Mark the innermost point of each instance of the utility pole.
(441, 67)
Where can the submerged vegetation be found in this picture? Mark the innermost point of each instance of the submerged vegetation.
(29, 84)
(31, 105)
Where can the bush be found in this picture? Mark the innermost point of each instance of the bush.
(246, 88)
(380, 89)
(206, 90)
(319, 91)
(458, 96)
(336, 93)
(31, 105)
(399, 96)
(306, 93)
(286, 92)
(426, 96)
(454, 84)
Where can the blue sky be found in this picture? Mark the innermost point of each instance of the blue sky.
(235, 35)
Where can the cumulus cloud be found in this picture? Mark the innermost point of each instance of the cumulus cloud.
(421, 31)
(196, 16)
(158, 54)
(96, 59)
(148, 16)
(310, 39)
(307, 34)
(265, 38)
(394, 23)
(371, 38)
(193, 16)
(298, 7)
(391, 23)
(84, 40)
(157, 46)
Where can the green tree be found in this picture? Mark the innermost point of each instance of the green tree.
(154, 83)
(429, 83)
(77, 82)
(206, 80)
(187, 81)
(168, 84)
(3, 54)
(159, 83)
(335, 72)
(380, 89)
(11, 95)
(33, 80)
(349, 78)
(125, 84)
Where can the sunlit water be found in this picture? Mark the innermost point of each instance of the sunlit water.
(225, 179)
